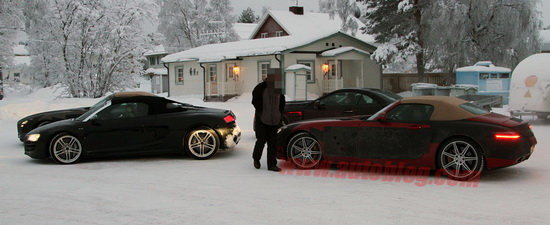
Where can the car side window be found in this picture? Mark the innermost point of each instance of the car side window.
(363, 99)
(410, 112)
(124, 111)
(339, 99)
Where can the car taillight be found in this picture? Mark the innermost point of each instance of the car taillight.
(530, 126)
(229, 119)
(297, 113)
(510, 136)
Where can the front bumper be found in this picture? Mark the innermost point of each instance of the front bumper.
(36, 150)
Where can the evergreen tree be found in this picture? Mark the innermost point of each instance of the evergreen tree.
(247, 16)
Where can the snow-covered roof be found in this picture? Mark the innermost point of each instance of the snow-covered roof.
(484, 66)
(20, 50)
(232, 50)
(157, 50)
(157, 71)
(545, 36)
(341, 50)
(244, 30)
(297, 67)
(310, 24)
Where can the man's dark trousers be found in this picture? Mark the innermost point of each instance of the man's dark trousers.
(265, 133)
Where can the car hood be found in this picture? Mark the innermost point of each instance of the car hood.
(81, 109)
(54, 125)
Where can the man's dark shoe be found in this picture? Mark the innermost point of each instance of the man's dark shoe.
(274, 168)
(257, 164)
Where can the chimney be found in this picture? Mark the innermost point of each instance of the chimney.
(297, 10)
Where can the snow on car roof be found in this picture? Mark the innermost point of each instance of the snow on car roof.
(445, 107)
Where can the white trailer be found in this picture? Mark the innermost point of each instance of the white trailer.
(530, 88)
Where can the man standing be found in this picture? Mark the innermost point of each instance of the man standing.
(269, 103)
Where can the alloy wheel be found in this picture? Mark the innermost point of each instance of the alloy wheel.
(202, 143)
(305, 151)
(460, 160)
(66, 149)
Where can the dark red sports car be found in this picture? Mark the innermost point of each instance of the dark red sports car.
(438, 132)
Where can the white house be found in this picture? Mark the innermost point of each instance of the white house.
(545, 36)
(16, 73)
(281, 39)
(156, 70)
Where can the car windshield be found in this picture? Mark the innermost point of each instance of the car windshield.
(94, 108)
(474, 109)
(389, 95)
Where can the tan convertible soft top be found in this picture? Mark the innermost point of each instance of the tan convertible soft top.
(445, 107)
(132, 94)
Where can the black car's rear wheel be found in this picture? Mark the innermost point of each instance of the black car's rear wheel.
(304, 151)
(461, 159)
(66, 149)
(202, 143)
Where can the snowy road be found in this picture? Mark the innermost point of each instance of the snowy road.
(228, 190)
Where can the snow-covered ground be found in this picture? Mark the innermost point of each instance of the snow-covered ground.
(227, 189)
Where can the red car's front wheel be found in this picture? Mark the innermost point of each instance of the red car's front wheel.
(304, 151)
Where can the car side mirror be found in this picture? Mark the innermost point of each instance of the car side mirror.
(318, 105)
(382, 117)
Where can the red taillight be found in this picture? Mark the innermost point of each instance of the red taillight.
(297, 113)
(530, 126)
(229, 119)
(507, 136)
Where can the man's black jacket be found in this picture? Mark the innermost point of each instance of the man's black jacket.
(258, 100)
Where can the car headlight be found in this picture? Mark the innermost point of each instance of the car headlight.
(33, 137)
(24, 122)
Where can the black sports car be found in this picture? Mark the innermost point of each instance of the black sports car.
(432, 132)
(343, 102)
(33, 121)
(135, 123)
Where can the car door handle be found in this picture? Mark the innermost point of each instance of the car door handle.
(348, 111)
(417, 127)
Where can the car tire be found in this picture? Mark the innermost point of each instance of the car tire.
(202, 143)
(460, 159)
(66, 149)
(304, 151)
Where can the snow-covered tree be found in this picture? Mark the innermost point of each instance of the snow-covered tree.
(190, 23)
(347, 10)
(94, 46)
(10, 17)
(247, 16)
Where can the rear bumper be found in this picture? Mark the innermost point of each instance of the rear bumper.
(230, 137)
(508, 154)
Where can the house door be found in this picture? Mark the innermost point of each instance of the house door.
(213, 79)
(231, 79)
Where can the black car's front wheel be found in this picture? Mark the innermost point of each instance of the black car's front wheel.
(304, 151)
(66, 149)
(461, 159)
(202, 143)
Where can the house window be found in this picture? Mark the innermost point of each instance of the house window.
(504, 75)
(483, 76)
(16, 77)
(212, 72)
(263, 35)
(278, 33)
(153, 60)
(310, 74)
(263, 67)
(179, 75)
(230, 75)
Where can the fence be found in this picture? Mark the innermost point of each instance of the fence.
(400, 82)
